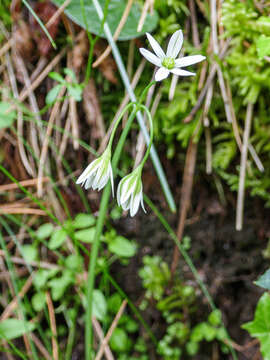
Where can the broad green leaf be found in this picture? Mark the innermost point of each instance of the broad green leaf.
(83, 221)
(57, 239)
(119, 341)
(264, 280)
(263, 46)
(38, 301)
(99, 305)
(215, 317)
(115, 12)
(44, 231)
(52, 94)
(260, 326)
(29, 252)
(74, 262)
(122, 247)
(13, 328)
(6, 117)
(85, 235)
(41, 277)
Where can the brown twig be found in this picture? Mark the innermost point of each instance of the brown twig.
(6, 210)
(186, 192)
(53, 326)
(148, 4)
(209, 80)
(44, 150)
(40, 347)
(243, 164)
(24, 183)
(98, 330)
(116, 34)
(14, 303)
(110, 331)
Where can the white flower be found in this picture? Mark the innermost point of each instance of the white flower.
(168, 63)
(98, 172)
(130, 192)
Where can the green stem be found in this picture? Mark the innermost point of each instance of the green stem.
(118, 121)
(151, 133)
(96, 242)
(141, 98)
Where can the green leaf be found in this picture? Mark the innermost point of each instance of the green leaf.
(119, 340)
(99, 305)
(41, 277)
(57, 77)
(264, 280)
(70, 73)
(13, 328)
(59, 285)
(29, 252)
(85, 235)
(215, 317)
(260, 326)
(122, 247)
(83, 221)
(38, 301)
(52, 94)
(6, 117)
(75, 91)
(74, 262)
(44, 231)
(263, 46)
(57, 239)
(115, 12)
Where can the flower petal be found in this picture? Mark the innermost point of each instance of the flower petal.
(142, 204)
(181, 72)
(118, 193)
(155, 46)
(111, 176)
(89, 169)
(189, 60)
(135, 203)
(89, 181)
(175, 44)
(103, 181)
(161, 74)
(150, 57)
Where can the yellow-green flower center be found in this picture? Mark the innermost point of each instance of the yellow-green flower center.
(168, 63)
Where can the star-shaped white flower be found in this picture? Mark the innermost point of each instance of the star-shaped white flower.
(168, 63)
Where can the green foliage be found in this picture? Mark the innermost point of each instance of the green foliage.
(260, 326)
(74, 89)
(182, 337)
(14, 328)
(115, 11)
(7, 117)
(264, 280)
(155, 275)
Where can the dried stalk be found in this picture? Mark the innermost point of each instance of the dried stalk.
(243, 164)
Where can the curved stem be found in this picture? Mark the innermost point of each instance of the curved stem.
(118, 121)
(140, 106)
(141, 98)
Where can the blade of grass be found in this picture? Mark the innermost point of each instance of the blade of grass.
(40, 23)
